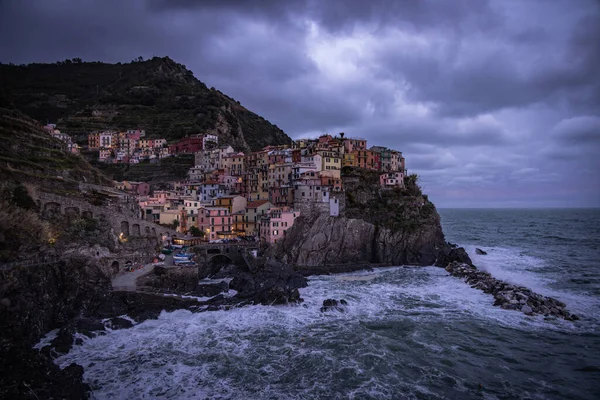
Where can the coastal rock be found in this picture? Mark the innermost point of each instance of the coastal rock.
(29, 374)
(325, 241)
(118, 323)
(333, 305)
(212, 289)
(526, 309)
(270, 282)
(508, 296)
(480, 252)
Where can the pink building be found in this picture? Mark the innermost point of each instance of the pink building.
(391, 179)
(139, 188)
(216, 223)
(277, 221)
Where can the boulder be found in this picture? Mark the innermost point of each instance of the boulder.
(211, 289)
(480, 252)
(526, 309)
(333, 305)
(270, 282)
(118, 323)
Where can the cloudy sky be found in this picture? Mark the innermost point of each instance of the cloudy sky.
(493, 103)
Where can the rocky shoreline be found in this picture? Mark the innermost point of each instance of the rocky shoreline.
(508, 296)
(265, 282)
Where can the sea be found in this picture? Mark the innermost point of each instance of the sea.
(406, 333)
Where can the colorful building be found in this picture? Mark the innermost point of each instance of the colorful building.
(274, 225)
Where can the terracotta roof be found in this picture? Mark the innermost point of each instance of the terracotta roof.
(256, 204)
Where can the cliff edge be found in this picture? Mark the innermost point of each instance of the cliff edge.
(398, 226)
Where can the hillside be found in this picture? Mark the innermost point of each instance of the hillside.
(157, 95)
(30, 155)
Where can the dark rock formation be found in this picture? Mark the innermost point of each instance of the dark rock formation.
(480, 252)
(266, 282)
(39, 299)
(26, 373)
(269, 282)
(509, 296)
(333, 305)
(375, 227)
(325, 240)
(118, 323)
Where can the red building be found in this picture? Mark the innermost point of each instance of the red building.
(186, 145)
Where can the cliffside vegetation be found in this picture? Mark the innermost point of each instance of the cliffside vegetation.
(28, 154)
(396, 209)
(158, 95)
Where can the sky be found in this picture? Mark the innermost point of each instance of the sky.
(493, 103)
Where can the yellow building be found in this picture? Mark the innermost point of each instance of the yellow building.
(349, 160)
(331, 160)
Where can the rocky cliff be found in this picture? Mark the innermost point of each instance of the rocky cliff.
(393, 227)
(158, 95)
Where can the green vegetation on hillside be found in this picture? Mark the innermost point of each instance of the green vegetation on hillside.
(28, 154)
(169, 168)
(398, 209)
(157, 95)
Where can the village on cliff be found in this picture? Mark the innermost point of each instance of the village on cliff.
(230, 195)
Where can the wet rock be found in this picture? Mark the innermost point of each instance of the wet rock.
(480, 252)
(270, 282)
(212, 289)
(118, 323)
(526, 309)
(63, 342)
(88, 327)
(29, 374)
(333, 305)
(507, 296)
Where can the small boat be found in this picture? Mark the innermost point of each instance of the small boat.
(183, 255)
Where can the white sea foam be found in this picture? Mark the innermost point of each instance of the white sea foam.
(511, 265)
(46, 339)
(248, 352)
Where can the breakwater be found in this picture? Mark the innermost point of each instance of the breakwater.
(508, 296)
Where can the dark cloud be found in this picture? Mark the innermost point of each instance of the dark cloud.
(492, 102)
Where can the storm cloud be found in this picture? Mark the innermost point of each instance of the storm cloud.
(493, 103)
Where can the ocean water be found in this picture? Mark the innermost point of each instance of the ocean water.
(407, 333)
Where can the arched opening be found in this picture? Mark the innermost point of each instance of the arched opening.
(51, 210)
(220, 259)
(125, 228)
(87, 214)
(114, 267)
(135, 230)
(153, 232)
(147, 230)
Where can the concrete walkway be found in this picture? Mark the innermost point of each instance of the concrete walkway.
(125, 281)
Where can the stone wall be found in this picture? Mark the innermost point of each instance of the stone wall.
(314, 208)
(51, 204)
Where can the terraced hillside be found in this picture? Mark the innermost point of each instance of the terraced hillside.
(158, 95)
(30, 155)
